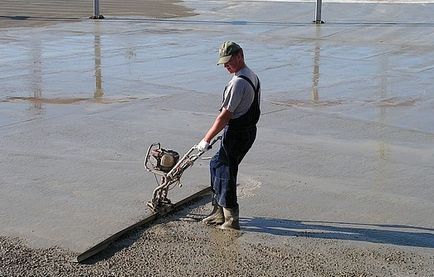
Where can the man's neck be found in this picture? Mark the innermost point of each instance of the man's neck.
(241, 68)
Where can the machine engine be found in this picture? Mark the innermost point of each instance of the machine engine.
(163, 159)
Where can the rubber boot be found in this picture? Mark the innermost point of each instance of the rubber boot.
(232, 221)
(216, 216)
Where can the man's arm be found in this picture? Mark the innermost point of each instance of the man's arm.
(220, 122)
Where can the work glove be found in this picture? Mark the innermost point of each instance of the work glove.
(203, 146)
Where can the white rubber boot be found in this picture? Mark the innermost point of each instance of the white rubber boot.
(232, 221)
(216, 217)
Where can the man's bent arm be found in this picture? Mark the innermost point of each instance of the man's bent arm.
(220, 122)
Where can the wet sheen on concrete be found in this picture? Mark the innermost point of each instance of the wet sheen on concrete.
(345, 142)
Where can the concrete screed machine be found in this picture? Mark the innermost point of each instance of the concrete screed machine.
(167, 164)
(163, 163)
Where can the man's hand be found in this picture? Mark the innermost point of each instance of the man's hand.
(203, 146)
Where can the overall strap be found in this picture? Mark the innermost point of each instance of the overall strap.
(251, 117)
(251, 83)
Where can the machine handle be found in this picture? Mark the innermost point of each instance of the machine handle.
(214, 141)
(210, 145)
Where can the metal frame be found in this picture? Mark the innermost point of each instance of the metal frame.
(160, 202)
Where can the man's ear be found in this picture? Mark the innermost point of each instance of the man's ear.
(241, 53)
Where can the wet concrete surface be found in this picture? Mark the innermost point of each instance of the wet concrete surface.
(345, 142)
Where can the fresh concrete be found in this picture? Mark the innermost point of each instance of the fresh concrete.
(345, 143)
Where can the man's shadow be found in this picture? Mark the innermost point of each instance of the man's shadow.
(401, 235)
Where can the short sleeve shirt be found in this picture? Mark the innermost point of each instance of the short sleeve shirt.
(238, 95)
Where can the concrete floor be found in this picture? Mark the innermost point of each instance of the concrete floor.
(345, 143)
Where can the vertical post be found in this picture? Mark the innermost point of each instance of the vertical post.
(318, 12)
(96, 8)
(96, 14)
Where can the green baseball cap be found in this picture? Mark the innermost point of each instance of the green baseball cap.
(227, 49)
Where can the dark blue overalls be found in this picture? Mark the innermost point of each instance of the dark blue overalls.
(238, 137)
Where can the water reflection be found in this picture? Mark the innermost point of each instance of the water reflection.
(382, 115)
(316, 61)
(36, 79)
(36, 97)
(98, 76)
(382, 170)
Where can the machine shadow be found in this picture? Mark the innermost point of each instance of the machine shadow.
(400, 235)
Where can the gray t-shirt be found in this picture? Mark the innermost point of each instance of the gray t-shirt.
(239, 94)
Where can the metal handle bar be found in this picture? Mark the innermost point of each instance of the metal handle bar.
(188, 160)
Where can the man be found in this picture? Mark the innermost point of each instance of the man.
(238, 116)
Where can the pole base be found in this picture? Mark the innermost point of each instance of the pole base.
(318, 22)
(96, 17)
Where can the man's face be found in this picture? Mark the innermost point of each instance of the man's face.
(234, 64)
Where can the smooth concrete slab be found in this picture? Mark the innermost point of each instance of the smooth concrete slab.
(345, 143)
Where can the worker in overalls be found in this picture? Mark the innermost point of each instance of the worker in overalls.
(238, 116)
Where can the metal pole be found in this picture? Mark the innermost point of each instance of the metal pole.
(96, 8)
(318, 12)
(96, 14)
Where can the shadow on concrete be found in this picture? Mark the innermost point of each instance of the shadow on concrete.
(401, 235)
(273, 23)
(16, 17)
(229, 22)
(41, 18)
